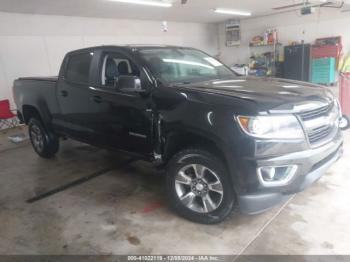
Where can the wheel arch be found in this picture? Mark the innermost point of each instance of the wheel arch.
(177, 141)
(29, 111)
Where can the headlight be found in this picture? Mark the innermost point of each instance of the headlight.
(271, 127)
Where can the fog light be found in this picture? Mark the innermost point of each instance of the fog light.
(276, 175)
(268, 173)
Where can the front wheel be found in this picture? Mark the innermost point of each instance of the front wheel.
(44, 142)
(199, 187)
(344, 122)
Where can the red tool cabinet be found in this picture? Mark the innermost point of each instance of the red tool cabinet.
(345, 93)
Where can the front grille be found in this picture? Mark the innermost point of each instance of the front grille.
(316, 112)
(320, 124)
(319, 133)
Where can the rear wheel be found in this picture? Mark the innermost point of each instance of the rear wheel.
(199, 187)
(45, 143)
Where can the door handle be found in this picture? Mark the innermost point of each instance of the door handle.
(64, 93)
(97, 99)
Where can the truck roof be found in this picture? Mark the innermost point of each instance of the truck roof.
(127, 47)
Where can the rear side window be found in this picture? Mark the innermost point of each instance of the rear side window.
(78, 68)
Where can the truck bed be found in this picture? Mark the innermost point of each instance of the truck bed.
(38, 93)
(46, 78)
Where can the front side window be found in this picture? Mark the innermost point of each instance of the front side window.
(78, 68)
(115, 65)
(184, 65)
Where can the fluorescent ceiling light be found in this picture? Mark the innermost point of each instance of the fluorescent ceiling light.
(145, 2)
(231, 12)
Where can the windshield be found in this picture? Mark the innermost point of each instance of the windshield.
(184, 65)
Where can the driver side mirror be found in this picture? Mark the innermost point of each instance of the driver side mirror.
(129, 84)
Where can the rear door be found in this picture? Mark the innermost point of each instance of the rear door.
(74, 97)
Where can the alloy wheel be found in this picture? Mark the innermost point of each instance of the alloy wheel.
(199, 188)
(37, 138)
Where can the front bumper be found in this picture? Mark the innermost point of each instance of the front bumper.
(312, 164)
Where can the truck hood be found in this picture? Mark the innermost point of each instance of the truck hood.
(269, 94)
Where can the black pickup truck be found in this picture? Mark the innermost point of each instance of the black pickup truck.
(225, 141)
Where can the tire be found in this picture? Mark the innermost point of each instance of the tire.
(188, 193)
(345, 122)
(44, 143)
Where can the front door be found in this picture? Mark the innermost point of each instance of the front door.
(125, 120)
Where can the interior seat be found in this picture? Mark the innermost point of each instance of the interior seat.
(111, 71)
(123, 68)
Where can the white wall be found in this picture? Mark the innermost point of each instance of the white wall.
(34, 45)
(291, 27)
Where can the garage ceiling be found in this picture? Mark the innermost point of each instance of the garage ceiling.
(193, 11)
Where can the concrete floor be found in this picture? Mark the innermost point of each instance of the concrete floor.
(123, 210)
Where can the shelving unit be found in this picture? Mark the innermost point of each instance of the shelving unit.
(264, 45)
(265, 62)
